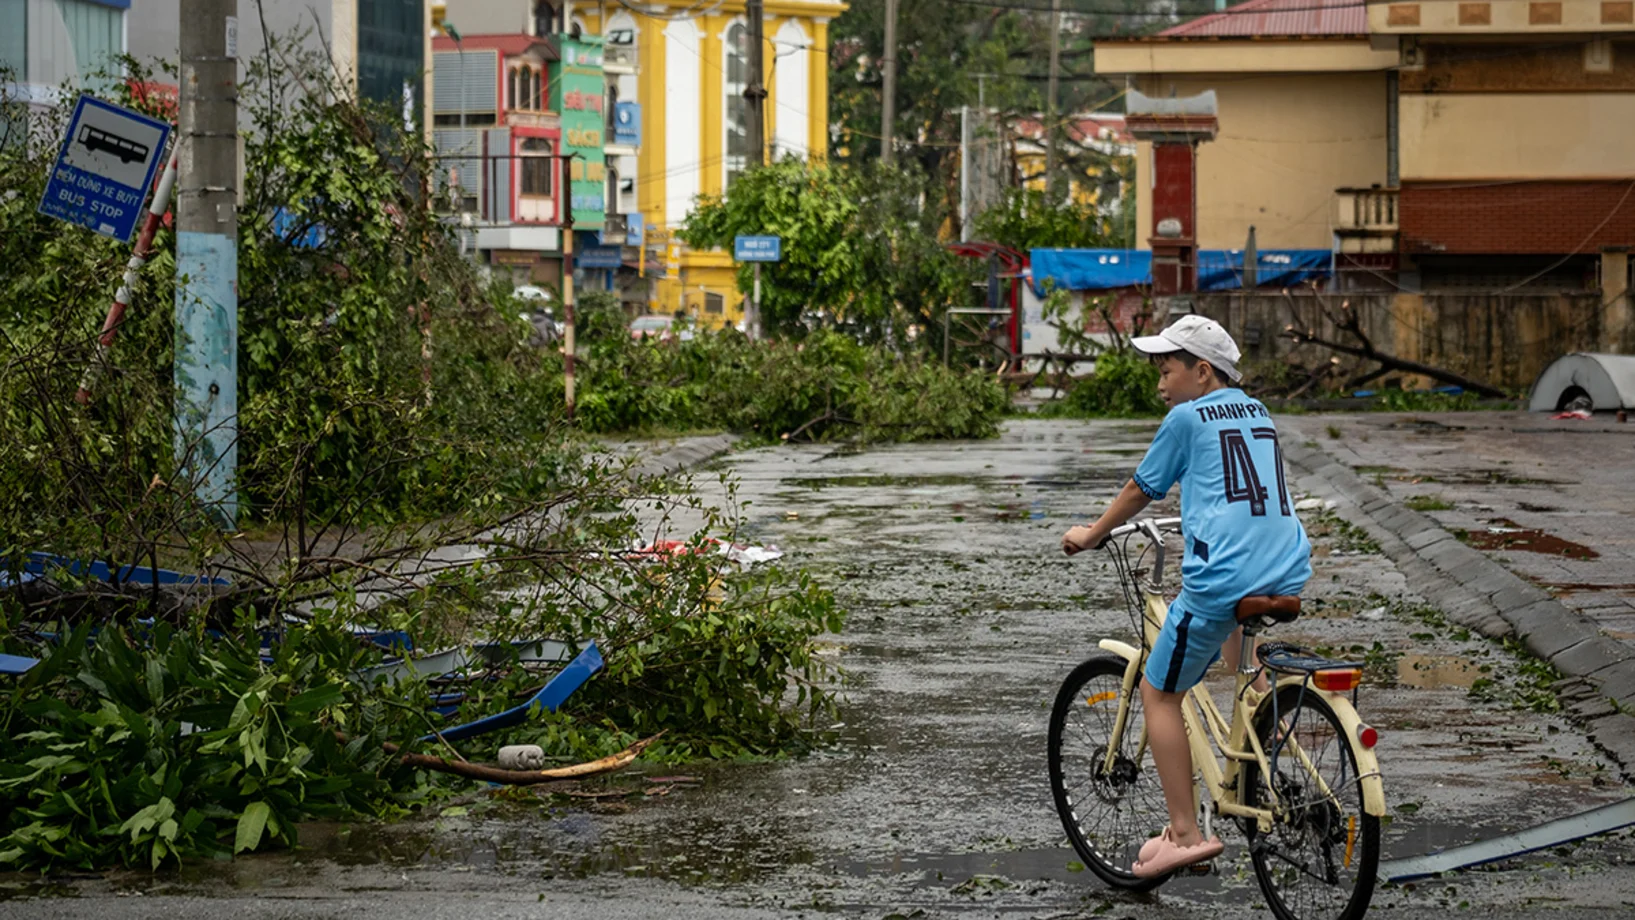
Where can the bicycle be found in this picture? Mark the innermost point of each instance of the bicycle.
(1296, 766)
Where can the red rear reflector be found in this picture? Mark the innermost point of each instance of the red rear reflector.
(1337, 681)
(1367, 736)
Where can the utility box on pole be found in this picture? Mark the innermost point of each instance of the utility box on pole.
(206, 362)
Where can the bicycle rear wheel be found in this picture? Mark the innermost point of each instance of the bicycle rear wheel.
(1320, 859)
(1108, 815)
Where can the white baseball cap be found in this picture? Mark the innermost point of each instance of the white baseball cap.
(1198, 335)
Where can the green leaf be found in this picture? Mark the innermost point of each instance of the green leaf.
(250, 826)
(315, 699)
(148, 818)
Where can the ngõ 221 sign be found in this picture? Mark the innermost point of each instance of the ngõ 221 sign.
(105, 168)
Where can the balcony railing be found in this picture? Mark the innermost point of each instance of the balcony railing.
(1366, 219)
(1366, 209)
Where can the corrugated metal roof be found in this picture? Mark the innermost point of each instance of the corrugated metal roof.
(1278, 18)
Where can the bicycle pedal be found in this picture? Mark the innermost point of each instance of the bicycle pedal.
(1203, 868)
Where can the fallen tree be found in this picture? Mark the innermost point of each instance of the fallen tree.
(1347, 321)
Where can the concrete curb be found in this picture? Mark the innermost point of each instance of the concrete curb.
(684, 454)
(1477, 592)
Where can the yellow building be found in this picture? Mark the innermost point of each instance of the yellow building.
(1433, 144)
(1103, 132)
(690, 84)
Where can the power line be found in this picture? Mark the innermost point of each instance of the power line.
(1153, 14)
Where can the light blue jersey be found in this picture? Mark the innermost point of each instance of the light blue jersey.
(1237, 516)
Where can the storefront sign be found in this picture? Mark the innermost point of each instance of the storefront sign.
(577, 93)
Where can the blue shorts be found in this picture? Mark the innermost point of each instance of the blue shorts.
(1187, 645)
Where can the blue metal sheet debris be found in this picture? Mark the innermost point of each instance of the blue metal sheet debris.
(7, 580)
(16, 664)
(444, 666)
(550, 698)
(1601, 820)
(44, 565)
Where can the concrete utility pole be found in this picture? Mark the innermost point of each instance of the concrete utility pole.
(206, 362)
(964, 172)
(888, 93)
(754, 87)
(1050, 103)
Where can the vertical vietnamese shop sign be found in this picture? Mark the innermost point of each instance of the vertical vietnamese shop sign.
(577, 95)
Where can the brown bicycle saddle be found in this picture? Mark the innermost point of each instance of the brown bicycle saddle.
(1268, 609)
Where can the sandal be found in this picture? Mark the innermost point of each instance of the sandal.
(1169, 857)
(1153, 845)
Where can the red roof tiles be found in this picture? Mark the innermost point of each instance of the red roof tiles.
(1278, 18)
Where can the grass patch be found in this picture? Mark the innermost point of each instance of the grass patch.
(1347, 537)
(1532, 690)
(1429, 503)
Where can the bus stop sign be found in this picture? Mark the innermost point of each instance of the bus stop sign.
(105, 168)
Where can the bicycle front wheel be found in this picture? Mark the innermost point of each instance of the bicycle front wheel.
(1107, 813)
(1320, 859)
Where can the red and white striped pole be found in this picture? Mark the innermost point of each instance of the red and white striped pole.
(122, 298)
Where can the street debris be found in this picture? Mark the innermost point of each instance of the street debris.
(502, 776)
(1347, 321)
(1591, 823)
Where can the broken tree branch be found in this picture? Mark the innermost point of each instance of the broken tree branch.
(1392, 362)
(487, 774)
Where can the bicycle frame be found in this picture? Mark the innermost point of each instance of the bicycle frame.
(1208, 730)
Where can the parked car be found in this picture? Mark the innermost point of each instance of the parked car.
(655, 325)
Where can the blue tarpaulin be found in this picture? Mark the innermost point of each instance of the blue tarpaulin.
(1090, 269)
(1218, 269)
(1222, 269)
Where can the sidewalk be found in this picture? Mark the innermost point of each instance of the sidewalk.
(1516, 525)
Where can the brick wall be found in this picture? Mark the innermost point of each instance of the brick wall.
(1517, 217)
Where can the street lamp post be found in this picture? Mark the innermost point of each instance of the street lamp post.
(465, 143)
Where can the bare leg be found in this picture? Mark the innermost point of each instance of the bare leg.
(1231, 653)
(1167, 734)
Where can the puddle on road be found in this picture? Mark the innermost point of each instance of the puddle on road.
(1432, 672)
(1505, 534)
(817, 483)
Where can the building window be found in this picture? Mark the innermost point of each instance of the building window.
(536, 167)
(734, 104)
(525, 89)
(612, 194)
(544, 19)
(713, 304)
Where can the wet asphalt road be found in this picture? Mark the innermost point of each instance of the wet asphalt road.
(933, 800)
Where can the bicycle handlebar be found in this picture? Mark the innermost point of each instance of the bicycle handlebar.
(1152, 527)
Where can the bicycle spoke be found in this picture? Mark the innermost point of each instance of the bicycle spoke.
(1109, 812)
(1318, 804)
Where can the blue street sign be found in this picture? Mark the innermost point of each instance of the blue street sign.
(105, 168)
(599, 257)
(757, 248)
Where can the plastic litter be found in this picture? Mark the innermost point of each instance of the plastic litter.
(743, 554)
(522, 757)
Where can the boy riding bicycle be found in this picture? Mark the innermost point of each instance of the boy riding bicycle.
(1242, 539)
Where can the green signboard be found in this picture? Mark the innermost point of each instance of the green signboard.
(577, 94)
